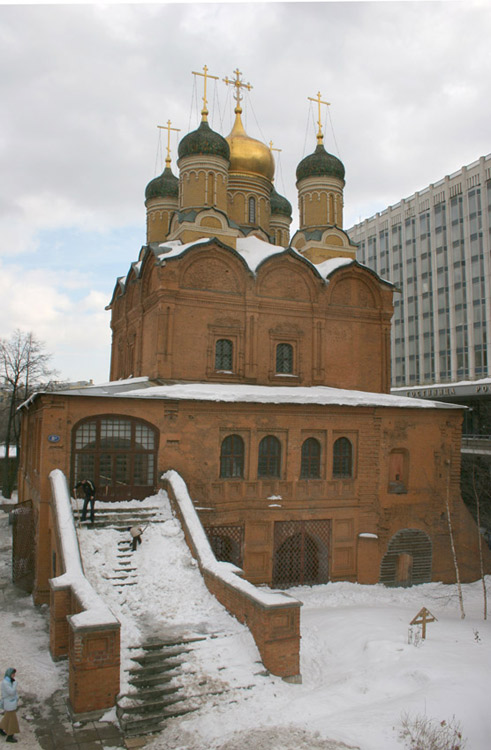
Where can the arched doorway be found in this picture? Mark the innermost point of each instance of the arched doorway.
(118, 453)
(301, 553)
(408, 559)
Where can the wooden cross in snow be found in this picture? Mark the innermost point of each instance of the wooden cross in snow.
(424, 615)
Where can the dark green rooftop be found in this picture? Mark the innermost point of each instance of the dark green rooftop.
(279, 204)
(204, 140)
(165, 185)
(320, 164)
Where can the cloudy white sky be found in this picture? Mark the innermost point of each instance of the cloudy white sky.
(83, 88)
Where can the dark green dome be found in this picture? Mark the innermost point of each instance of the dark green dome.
(204, 140)
(280, 205)
(164, 186)
(320, 164)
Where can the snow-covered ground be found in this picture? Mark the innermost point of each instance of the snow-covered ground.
(360, 674)
(24, 643)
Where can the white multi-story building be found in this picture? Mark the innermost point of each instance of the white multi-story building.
(436, 248)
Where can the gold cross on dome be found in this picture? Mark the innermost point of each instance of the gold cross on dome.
(205, 75)
(238, 85)
(274, 149)
(168, 128)
(320, 137)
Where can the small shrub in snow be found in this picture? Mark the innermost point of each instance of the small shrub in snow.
(422, 733)
(414, 636)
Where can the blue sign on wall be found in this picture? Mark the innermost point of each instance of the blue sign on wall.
(54, 438)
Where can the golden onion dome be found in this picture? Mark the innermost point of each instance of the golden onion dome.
(247, 154)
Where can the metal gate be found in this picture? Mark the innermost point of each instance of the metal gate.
(23, 546)
(301, 553)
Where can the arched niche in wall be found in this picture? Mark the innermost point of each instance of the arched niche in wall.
(212, 273)
(284, 280)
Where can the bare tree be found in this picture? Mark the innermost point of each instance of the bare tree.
(452, 542)
(23, 365)
(479, 537)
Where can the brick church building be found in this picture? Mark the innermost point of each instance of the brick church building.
(258, 367)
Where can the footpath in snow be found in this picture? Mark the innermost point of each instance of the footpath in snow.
(360, 674)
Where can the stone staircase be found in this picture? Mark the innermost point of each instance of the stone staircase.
(162, 682)
(157, 688)
(109, 516)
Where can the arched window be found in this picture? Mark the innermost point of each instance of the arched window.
(398, 471)
(252, 210)
(269, 458)
(118, 454)
(311, 459)
(232, 457)
(284, 359)
(223, 355)
(342, 464)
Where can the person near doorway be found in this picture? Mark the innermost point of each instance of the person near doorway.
(89, 497)
(9, 724)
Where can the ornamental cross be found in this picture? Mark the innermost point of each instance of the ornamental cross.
(238, 85)
(274, 149)
(205, 75)
(319, 101)
(423, 616)
(168, 128)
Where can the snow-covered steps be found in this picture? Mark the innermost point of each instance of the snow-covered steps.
(120, 518)
(157, 694)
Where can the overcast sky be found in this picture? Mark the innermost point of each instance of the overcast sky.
(83, 88)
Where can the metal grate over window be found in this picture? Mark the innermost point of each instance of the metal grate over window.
(232, 457)
(342, 459)
(227, 543)
(311, 459)
(224, 355)
(269, 457)
(301, 552)
(284, 359)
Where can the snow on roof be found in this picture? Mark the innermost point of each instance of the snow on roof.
(263, 394)
(318, 395)
(95, 612)
(254, 251)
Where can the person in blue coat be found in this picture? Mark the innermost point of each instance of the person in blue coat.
(9, 724)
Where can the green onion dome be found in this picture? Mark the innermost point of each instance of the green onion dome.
(204, 140)
(320, 164)
(164, 186)
(279, 204)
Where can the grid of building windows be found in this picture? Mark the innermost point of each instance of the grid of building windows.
(435, 247)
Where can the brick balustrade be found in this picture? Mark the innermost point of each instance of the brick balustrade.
(82, 627)
(273, 618)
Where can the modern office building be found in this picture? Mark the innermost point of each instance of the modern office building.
(435, 247)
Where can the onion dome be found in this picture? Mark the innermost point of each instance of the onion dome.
(247, 154)
(164, 186)
(320, 164)
(279, 204)
(204, 140)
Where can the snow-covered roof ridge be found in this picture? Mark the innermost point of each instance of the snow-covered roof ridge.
(244, 393)
(255, 251)
(206, 558)
(95, 612)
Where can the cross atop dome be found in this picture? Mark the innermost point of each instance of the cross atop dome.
(168, 128)
(320, 136)
(205, 75)
(238, 85)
